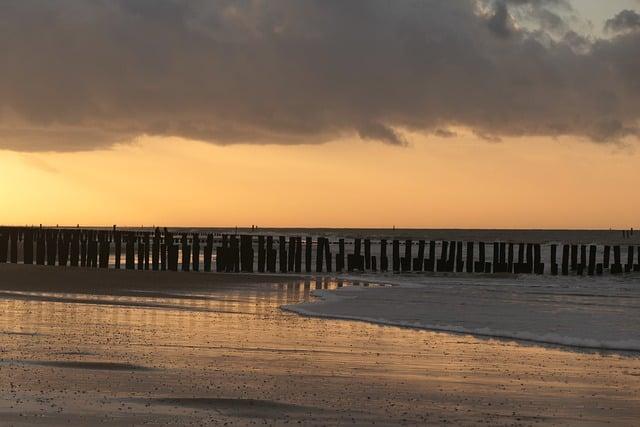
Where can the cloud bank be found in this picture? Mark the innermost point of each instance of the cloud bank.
(81, 75)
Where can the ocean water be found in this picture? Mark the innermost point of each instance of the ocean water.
(581, 312)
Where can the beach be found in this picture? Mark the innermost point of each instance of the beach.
(126, 347)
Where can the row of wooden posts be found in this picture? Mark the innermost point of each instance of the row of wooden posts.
(161, 250)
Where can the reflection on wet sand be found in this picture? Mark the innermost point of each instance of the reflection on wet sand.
(228, 353)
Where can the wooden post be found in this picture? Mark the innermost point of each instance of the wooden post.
(319, 254)
(529, 268)
(340, 256)
(629, 267)
(308, 252)
(13, 235)
(147, 248)
(538, 265)
(298, 257)
(41, 247)
(234, 265)
(220, 255)
(261, 255)
(503, 257)
(164, 247)
(186, 252)
(636, 267)
(406, 261)
(27, 247)
(52, 246)
(105, 250)
(327, 255)
(291, 255)
(606, 256)
(574, 257)
(452, 257)
(367, 254)
(442, 261)
(282, 248)
(554, 260)
(418, 262)
(130, 251)
(510, 258)
(208, 253)
(4, 248)
(74, 258)
(583, 260)
(565, 260)
(470, 264)
(592, 260)
(459, 260)
(480, 264)
(396, 256)
(195, 258)
(155, 250)
(271, 255)
(520, 267)
(616, 267)
(246, 251)
(172, 254)
(496, 257)
(357, 260)
(384, 260)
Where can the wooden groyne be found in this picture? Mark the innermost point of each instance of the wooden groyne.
(163, 250)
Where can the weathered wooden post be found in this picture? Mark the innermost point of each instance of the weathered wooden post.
(195, 258)
(503, 258)
(173, 251)
(479, 265)
(291, 254)
(636, 267)
(538, 265)
(452, 256)
(406, 261)
(384, 260)
(298, 257)
(470, 263)
(246, 254)
(459, 260)
(327, 255)
(105, 250)
(554, 259)
(340, 256)
(520, 267)
(13, 235)
(510, 259)
(4, 248)
(63, 248)
(529, 264)
(367, 254)
(574, 257)
(629, 267)
(164, 248)
(27, 247)
(496, 257)
(41, 247)
(221, 255)
(282, 252)
(583, 260)
(356, 261)
(616, 267)
(130, 251)
(606, 256)
(52, 246)
(271, 255)
(235, 252)
(208, 253)
(592, 260)
(140, 251)
(186, 252)
(155, 249)
(319, 254)
(261, 255)
(308, 253)
(442, 261)
(565, 260)
(146, 237)
(396, 255)
(418, 262)
(74, 258)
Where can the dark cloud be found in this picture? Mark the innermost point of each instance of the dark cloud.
(627, 20)
(85, 74)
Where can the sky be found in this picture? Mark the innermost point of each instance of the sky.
(378, 113)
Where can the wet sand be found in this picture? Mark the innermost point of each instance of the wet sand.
(115, 347)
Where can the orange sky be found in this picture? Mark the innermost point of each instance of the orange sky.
(460, 182)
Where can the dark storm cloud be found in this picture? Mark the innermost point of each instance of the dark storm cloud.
(83, 74)
(627, 20)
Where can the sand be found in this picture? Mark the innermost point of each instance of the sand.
(112, 347)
